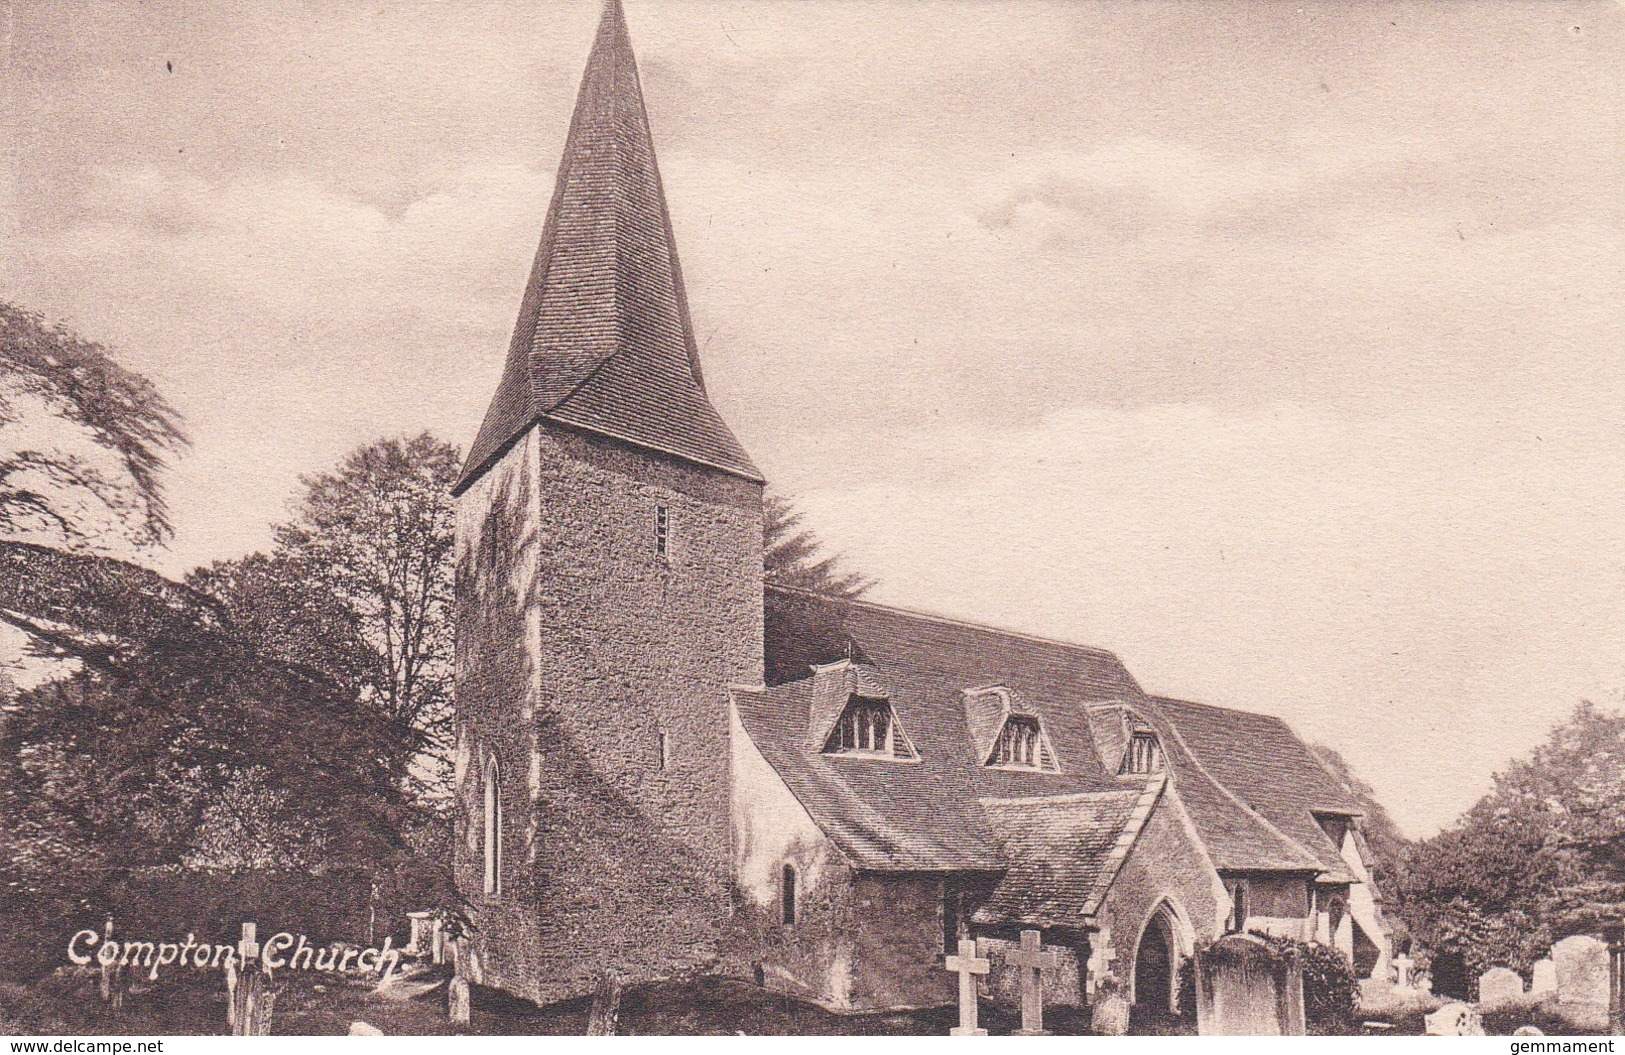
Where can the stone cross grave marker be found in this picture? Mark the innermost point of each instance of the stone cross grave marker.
(1032, 960)
(969, 965)
(1403, 965)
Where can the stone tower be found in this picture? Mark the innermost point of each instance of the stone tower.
(609, 589)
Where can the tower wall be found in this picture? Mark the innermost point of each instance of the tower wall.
(579, 645)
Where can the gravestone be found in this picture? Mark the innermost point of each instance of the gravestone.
(360, 1028)
(1402, 971)
(1498, 985)
(968, 965)
(1244, 989)
(1455, 1020)
(1543, 978)
(1582, 981)
(1032, 960)
(1109, 1014)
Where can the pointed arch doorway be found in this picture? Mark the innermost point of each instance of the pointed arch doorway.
(1155, 962)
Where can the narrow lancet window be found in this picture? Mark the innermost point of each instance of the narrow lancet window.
(787, 895)
(493, 828)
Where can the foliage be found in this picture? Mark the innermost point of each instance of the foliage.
(794, 556)
(172, 713)
(114, 433)
(1540, 857)
(1386, 844)
(1330, 987)
(359, 585)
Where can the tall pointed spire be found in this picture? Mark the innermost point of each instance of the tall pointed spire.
(604, 342)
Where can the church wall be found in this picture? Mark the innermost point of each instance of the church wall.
(859, 941)
(497, 658)
(1279, 905)
(632, 855)
(1063, 984)
(1166, 862)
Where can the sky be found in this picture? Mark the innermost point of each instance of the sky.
(1274, 346)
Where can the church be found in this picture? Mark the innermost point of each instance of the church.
(666, 768)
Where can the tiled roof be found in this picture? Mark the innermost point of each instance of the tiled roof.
(1249, 785)
(604, 342)
(1259, 760)
(882, 814)
(1061, 853)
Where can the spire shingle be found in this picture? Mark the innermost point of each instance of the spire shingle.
(604, 342)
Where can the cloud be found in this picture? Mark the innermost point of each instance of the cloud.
(1390, 583)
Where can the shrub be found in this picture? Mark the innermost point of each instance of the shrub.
(1330, 989)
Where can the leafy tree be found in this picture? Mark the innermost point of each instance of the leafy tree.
(172, 716)
(1537, 858)
(794, 556)
(83, 440)
(359, 584)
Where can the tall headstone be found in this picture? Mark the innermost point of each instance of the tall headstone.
(1243, 989)
(1499, 985)
(1582, 981)
(1543, 978)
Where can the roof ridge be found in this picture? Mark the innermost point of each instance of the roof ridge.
(1155, 698)
(949, 620)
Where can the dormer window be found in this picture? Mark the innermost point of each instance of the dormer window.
(1021, 745)
(868, 727)
(1144, 754)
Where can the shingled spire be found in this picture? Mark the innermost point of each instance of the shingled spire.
(604, 342)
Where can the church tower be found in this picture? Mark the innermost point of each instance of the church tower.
(609, 589)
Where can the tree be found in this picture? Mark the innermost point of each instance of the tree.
(83, 440)
(795, 557)
(173, 720)
(359, 583)
(1541, 856)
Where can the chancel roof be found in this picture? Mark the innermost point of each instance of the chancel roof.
(604, 341)
(1250, 787)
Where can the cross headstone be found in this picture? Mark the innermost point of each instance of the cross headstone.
(969, 965)
(1032, 960)
(1402, 967)
(251, 999)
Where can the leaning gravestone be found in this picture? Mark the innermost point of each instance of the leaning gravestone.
(1245, 989)
(1543, 978)
(1455, 1020)
(1498, 985)
(1582, 981)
